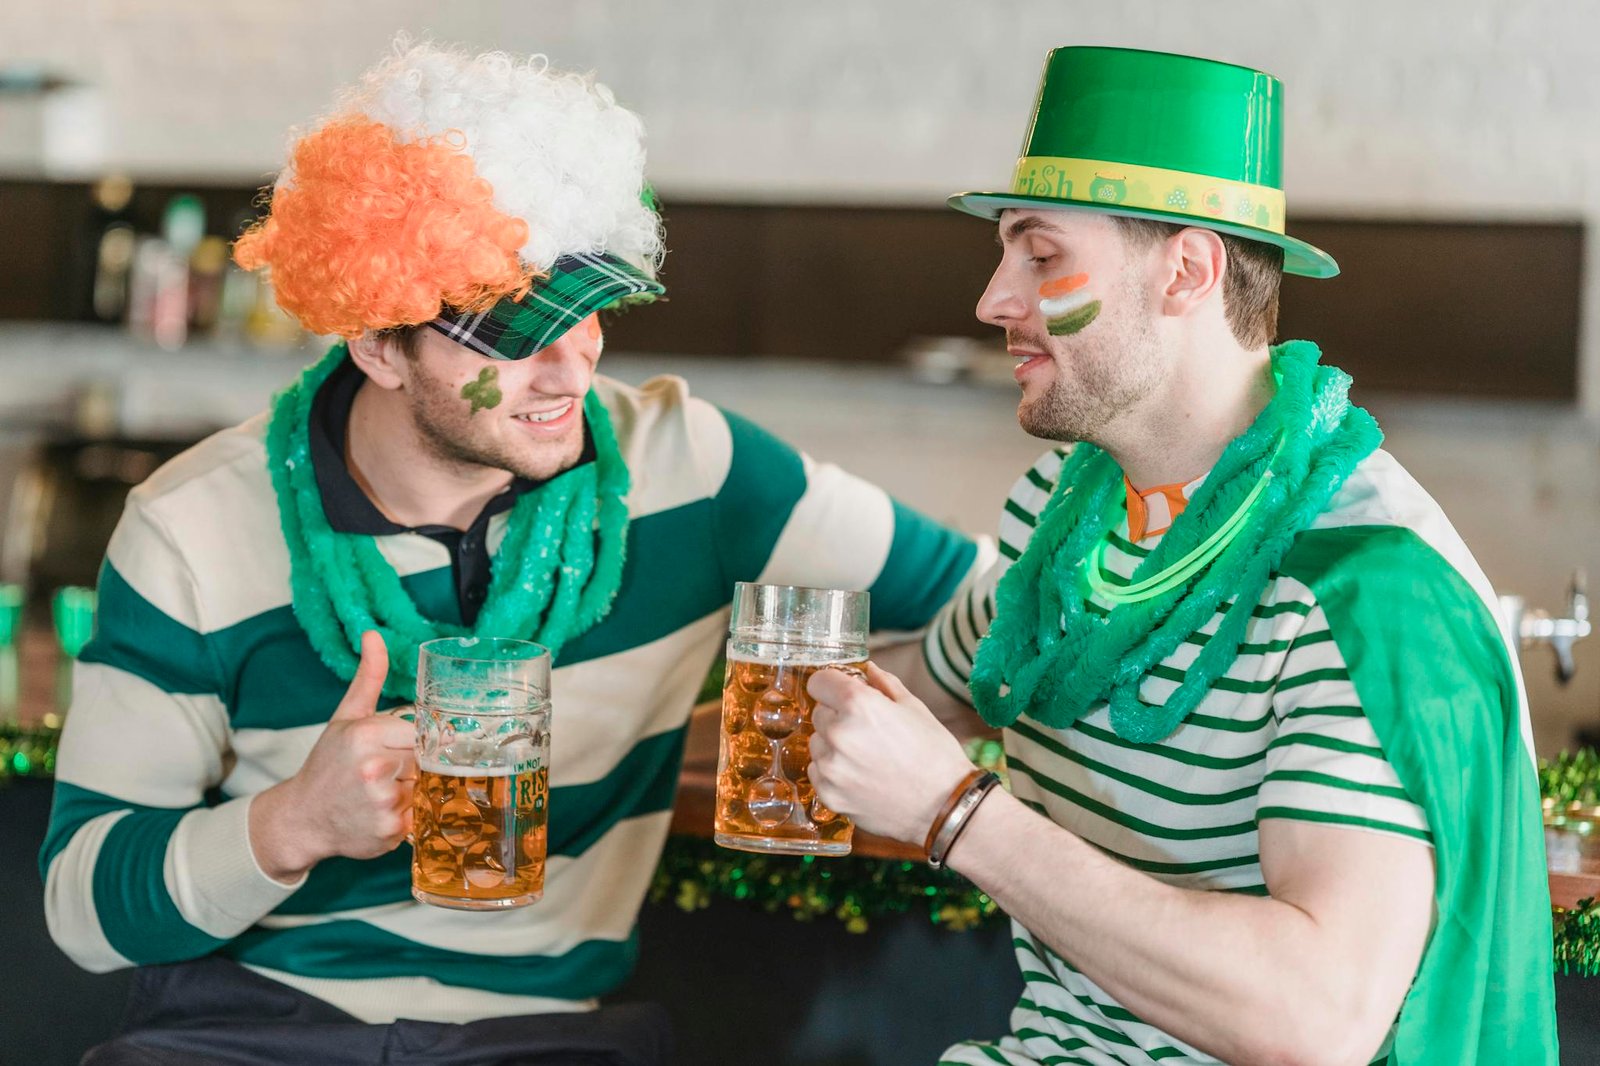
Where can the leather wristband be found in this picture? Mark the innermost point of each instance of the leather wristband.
(955, 814)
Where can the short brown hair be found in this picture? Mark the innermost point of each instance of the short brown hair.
(1249, 284)
(404, 336)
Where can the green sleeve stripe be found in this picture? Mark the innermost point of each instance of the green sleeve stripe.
(938, 674)
(1013, 554)
(1144, 784)
(766, 479)
(1127, 821)
(1273, 610)
(1039, 481)
(1149, 866)
(1200, 640)
(1311, 777)
(944, 650)
(1230, 725)
(1312, 677)
(1305, 640)
(1317, 740)
(994, 1054)
(926, 565)
(134, 635)
(1115, 579)
(348, 949)
(1181, 869)
(1027, 518)
(1174, 754)
(1222, 684)
(1078, 1021)
(70, 807)
(1330, 711)
(1110, 1011)
(960, 643)
(972, 620)
(1297, 814)
(137, 914)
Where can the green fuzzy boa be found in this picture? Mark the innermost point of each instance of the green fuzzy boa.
(1049, 657)
(554, 575)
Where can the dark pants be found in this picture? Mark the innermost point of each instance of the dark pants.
(216, 1011)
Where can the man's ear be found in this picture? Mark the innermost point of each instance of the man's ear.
(1195, 263)
(381, 358)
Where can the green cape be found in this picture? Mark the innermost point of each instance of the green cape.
(1438, 685)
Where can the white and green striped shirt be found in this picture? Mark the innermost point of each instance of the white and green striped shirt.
(1282, 734)
(200, 690)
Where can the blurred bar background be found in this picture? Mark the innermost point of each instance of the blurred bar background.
(1447, 153)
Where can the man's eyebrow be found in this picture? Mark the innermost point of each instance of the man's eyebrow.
(1025, 224)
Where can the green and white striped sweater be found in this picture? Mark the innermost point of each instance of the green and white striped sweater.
(200, 690)
(1283, 734)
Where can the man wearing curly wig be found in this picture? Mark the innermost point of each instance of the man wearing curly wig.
(231, 797)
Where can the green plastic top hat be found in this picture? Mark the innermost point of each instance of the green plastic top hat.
(1161, 136)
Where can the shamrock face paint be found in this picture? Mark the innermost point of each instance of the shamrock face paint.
(484, 393)
(1067, 304)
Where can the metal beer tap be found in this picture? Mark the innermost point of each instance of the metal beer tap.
(1538, 627)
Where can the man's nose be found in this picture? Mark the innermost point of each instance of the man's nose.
(1002, 302)
(565, 365)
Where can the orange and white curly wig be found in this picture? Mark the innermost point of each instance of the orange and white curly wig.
(447, 179)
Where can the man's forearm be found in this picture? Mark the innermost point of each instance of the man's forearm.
(1249, 980)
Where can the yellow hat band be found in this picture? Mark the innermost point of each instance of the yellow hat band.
(1176, 192)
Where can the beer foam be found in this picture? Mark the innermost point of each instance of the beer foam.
(445, 770)
(801, 656)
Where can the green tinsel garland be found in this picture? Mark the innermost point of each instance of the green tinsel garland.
(693, 872)
(27, 751)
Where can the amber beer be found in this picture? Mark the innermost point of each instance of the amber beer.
(765, 799)
(479, 838)
(780, 636)
(482, 798)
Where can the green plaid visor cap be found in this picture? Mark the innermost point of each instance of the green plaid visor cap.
(576, 287)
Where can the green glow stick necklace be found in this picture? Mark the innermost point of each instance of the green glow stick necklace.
(1179, 573)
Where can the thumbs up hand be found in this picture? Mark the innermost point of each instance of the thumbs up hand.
(352, 796)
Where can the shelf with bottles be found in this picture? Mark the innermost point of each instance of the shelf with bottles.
(180, 283)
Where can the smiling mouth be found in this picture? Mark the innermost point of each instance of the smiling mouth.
(538, 417)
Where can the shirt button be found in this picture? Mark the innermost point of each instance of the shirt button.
(475, 595)
(467, 544)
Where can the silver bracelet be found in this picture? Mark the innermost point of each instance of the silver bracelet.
(957, 820)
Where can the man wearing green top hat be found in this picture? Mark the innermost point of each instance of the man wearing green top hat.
(1271, 797)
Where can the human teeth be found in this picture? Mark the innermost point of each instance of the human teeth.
(545, 416)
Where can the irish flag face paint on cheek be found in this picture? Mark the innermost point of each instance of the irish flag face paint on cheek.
(1067, 304)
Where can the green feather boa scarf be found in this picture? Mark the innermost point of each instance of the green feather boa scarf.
(553, 576)
(1048, 656)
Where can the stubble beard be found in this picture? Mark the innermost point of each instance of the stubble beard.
(446, 425)
(1115, 365)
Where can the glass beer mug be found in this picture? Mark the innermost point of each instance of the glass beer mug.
(483, 773)
(779, 636)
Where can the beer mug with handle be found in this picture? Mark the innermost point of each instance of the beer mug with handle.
(779, 636)
(483, 773)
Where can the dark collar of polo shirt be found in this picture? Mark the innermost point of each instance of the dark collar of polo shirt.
(349, 510)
